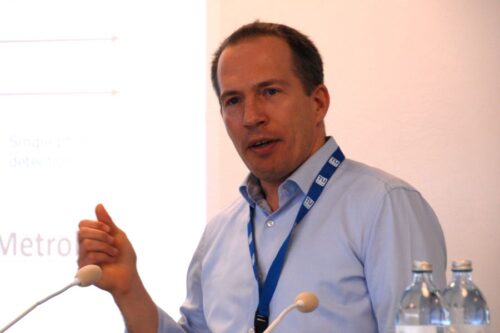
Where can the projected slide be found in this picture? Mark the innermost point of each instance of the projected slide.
(100, 102)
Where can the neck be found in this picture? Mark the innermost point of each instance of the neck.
(271, 192)
(270, 188)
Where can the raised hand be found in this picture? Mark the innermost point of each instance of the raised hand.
(102, 243)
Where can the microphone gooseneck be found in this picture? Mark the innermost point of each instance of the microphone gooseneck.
(85, 276)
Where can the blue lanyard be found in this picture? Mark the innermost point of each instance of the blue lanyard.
(266, 290)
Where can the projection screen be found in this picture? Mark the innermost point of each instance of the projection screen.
(100, 102)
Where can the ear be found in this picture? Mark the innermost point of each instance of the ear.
(321, 100)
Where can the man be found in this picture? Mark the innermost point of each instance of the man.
(308, 219)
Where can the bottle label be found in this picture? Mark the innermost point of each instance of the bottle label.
(416, 329)
(469, 329)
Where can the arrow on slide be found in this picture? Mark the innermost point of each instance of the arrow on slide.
(107, 39)
(60, 93)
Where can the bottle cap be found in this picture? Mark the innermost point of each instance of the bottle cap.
(422, 266)
(463, 265)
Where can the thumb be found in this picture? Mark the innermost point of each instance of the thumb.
(102, 215)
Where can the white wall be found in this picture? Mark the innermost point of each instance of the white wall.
(415, 90)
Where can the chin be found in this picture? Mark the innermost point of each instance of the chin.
(271, 176)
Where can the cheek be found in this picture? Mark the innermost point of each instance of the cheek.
(304, 127)
(228, 122)
(301, 120)
(232, 129)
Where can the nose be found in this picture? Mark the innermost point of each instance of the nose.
(254, 113)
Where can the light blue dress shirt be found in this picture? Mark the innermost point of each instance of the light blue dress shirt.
(354, 250)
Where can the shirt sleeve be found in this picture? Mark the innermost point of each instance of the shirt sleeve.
(192, 315)
(167, 324)
(405, 229)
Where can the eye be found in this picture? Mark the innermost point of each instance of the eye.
(232, 101)
(270, 91)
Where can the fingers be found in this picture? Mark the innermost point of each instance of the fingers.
(103, 216)
(96, 245)
(94, 252)
(94, 230)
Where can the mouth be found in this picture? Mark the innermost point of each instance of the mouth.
(263, 147)
(261, 143)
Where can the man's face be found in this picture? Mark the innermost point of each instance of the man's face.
(273, 124)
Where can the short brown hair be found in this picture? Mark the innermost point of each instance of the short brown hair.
(306, 58)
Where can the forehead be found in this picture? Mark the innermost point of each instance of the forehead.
(253, 60)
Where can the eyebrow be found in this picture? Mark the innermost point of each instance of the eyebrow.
(271, 82)
(259, 85)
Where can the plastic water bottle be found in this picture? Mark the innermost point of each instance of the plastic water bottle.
(469, 312)
(422, 308)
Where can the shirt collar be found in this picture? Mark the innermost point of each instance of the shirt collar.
(302, 178)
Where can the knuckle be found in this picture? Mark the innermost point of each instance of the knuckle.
(86, 243)
(93, 257)
(82, 223)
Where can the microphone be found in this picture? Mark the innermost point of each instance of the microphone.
(85, 276)
(88, 275)
(304, 302)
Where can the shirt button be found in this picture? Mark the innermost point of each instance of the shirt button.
(270, 223)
